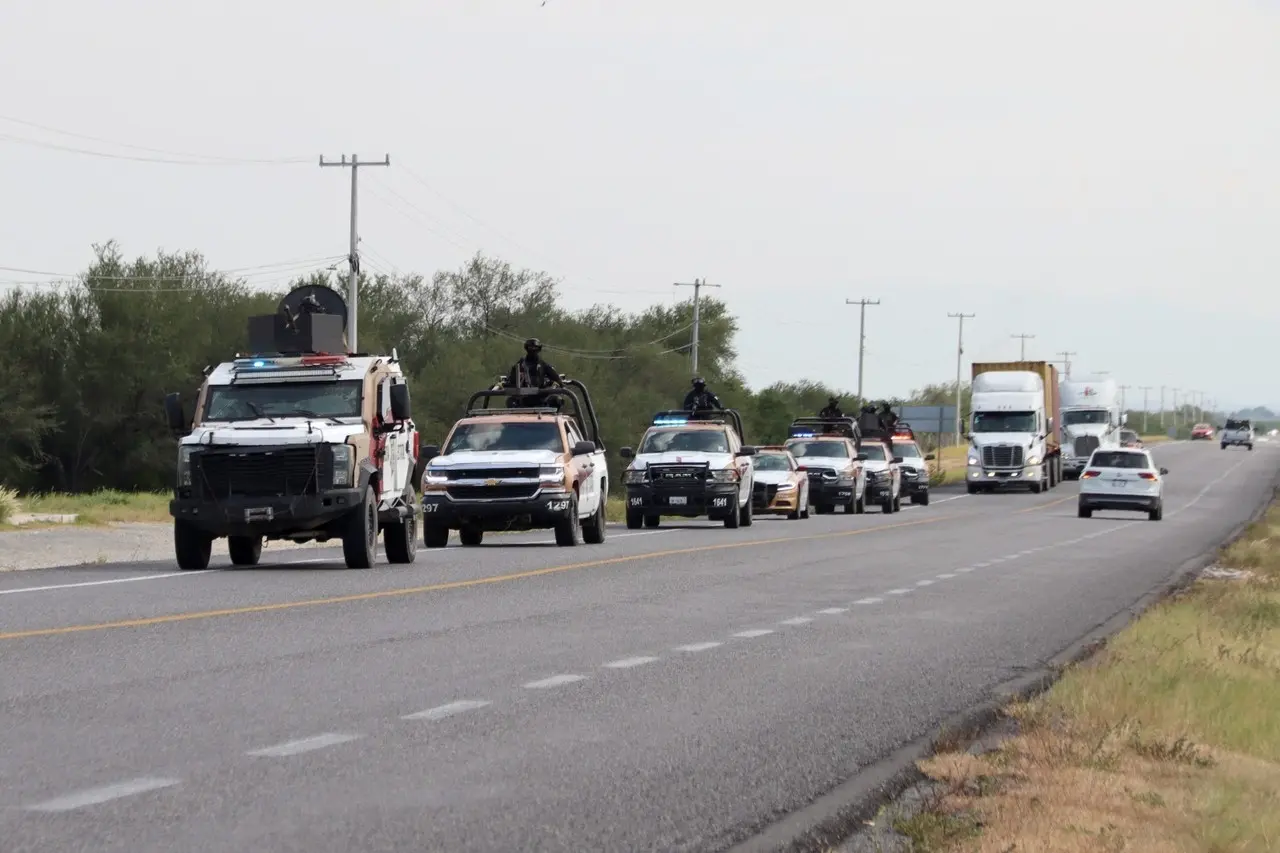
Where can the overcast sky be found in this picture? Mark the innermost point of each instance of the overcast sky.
(1103, 175)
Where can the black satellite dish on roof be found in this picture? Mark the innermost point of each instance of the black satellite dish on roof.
(309, 319)
(313, 299)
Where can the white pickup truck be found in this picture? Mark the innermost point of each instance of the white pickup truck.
(1237, 432)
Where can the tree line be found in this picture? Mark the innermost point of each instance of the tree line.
(87, 364)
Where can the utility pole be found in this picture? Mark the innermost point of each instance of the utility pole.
(1066, 361)
(1174, 406)
(959, 359)
(1145, 389)
(862, 335)
(1162, 408)
(697, 284)
(1022, 355)
(1122, 388)
(353, 258)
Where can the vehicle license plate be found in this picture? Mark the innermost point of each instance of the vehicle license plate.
(678, 500)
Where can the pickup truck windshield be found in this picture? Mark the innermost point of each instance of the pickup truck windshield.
(297, 400)
(1086, 416)
(819, 448)
(687, 441)
(906, 451)
(1004, 422)
(532, 435)
(772, 462)
(875, 452)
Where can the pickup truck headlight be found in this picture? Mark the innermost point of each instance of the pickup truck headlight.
(551, 475)
(184, 465)
(342, 473)
(725, 475)
(635, 476)
(435, 476)
(786, 487)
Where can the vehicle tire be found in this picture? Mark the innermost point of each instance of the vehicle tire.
(922, 499)
(747, 514)
(400, 538)
(851, 508)
(192, 546)
(471, 536)
(733, 520)
(593, 532)
(1157, 513)
(652, 520)
(569, 531)
(897, 502)
(634, 520)
(886, 505)
(823, 509)
(1083, 511)
(860, 504)
(971, 488)
(1250, 446)
(244, 550)
(435, 536)
(1224, 447)
(1051, 474)
(360, 536)
(1036, 487)
(797, 515)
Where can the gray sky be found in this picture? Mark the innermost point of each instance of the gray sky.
(1102, 175)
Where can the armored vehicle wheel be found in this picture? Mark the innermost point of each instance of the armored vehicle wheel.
(435, 536)
(471, 536)
(360, 538)
(922, 499)
(192, 546)
(634, 520)
(245, 550)
(746, 515)
(593, 532)
(733, 520)
(400, 538)
(897, 502)
(652, 520)
(569, 531)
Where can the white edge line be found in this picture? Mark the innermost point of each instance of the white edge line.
(442, 711)
(306, 744)
(104, 583)
(106, 793)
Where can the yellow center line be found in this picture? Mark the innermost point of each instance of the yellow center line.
(1047, 505)
(462, 584)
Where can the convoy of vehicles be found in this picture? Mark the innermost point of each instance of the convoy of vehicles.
(828, 448)
(781, 483)
(519, 467)
(1091, 418)
(1014, 427)
(1122, 479)
(298, 440)
(1236, 433)
(691, 464)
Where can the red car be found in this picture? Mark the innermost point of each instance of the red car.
(1202, 431)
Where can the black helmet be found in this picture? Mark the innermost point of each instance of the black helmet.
(533, 345)
(699, 382)
(833, 401)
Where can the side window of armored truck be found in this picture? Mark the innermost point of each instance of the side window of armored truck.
(574, 436)
(734, 444)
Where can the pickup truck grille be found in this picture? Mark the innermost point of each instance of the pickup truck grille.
(821, 473)
(675, 476)
(1086, 444)
(261, 472)
(527, 472)
(492, 493)
(1002, 457)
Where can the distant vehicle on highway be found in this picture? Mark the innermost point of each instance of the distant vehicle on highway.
(1202, 432)
(829, 449)
(915, 468)
(1122, 479)
(1015, 427)
(782, 483)
(1129, 438)
(1237, 432)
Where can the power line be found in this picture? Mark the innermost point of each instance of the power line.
(353, 259)
(862, 335)
(697, 285)
(1023, 355)
(1066, 361)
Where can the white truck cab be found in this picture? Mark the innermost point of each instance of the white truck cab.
(1091, 418)
(1012, 440)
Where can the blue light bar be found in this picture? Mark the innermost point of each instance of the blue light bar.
(803, 435)
(669, 421)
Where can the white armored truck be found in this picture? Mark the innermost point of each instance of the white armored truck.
(297, 440)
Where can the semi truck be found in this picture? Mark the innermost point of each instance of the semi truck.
(1014, 418)
(1091, 418)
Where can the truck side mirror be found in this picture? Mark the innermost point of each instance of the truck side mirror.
(897, 460)
(431, 451)
(1164, 471)
(173, 414)
(929, 457)
(746, 451)
(400, 409)
(861, 457)
(584, 448)
(626, 453)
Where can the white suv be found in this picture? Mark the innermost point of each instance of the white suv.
(1122, 479)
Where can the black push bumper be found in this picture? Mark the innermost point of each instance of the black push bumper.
(833, 492)
(915, 486)
(267, 516)
(879, 491)
(714, 500)
(541, 511)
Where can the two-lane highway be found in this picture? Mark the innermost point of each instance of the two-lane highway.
(676, 688)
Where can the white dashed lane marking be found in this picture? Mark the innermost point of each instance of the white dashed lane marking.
(554, 681)
(946, 576)
(758, 632)
(798, 620)
(869, 601)
(898, 592)
(442, 711)
(924, 583)
(834, 611)
(627, 663)
(306, 744)
(106, 793)
(697, 647)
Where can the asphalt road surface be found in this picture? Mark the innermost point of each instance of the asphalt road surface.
(672, 689)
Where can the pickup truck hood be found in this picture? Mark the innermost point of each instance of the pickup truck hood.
(837, 462)
(717, 460)
(489, 458)
(280, 432)
(875, 465)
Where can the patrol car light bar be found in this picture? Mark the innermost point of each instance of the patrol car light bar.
(277, 363)
(670, 421)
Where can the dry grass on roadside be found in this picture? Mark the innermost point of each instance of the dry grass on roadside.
(9, 505)
(1168, 740)
(101, 507)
